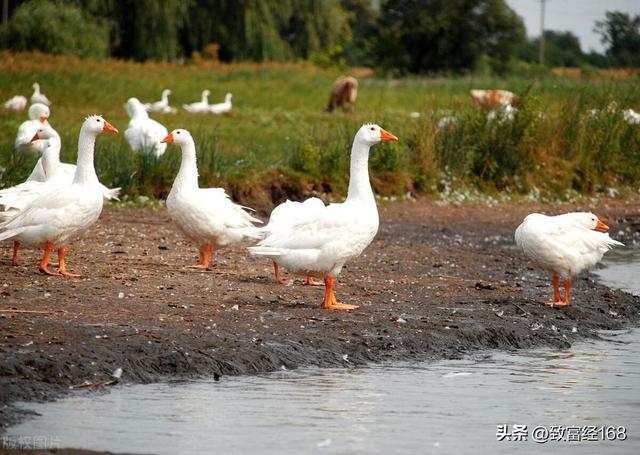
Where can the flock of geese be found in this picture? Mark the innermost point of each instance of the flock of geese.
(60, 201)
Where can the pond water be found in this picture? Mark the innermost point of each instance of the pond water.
(591, 390)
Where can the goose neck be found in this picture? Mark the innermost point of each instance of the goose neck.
(51, 158)
(85, 171)
(187, 178)
(359, 185)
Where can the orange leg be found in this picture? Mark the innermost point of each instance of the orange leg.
(205, 257)
(557, 299)
(276, 269)
(62, 268)
(14, 258)
(329, 302)
(567, 291)
(310, 281)
(44, 262)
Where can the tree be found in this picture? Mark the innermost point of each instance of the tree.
(446, 35)
(561, 49)
(55, 29)
(620, 33)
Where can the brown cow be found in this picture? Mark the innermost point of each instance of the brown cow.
(490, 99)
(343, 93)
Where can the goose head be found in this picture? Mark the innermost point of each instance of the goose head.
(39, 111)
(134, 107)
(179, 137)
(371, 134)
(36, 86)
(95, 125)
(590, 221)
(44, 132)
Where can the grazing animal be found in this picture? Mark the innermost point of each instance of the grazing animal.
(343, 93)
(54, 218)
(491, 99)
(143, 133)
(564, 245)
(161, 106)
(320, 245)
(38, 114)
(200, 107)
(222, 108)
(38, 97)
(205, 215)
(16, 103)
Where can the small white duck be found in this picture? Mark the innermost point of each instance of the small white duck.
(283, 218)
(38, 97)
(54, 218)
(161, 106)
(143, 133)
(322, 244)
(205, 215)
(38, 114)
(222, 108)
(564, 245)
(16, 103)
(201, 107)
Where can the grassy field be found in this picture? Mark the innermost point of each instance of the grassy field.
(277, 142)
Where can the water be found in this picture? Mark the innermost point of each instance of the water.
(445, 407)
(622, 270)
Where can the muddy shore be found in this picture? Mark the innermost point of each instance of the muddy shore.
(439, 281)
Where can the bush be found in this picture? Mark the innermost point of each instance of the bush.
(55, 28)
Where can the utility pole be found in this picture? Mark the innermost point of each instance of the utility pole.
(541, 49)
(5, 12)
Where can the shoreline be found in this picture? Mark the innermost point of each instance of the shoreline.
(438, 282)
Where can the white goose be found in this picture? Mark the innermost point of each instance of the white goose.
(564, 245)
(55, 218)
(39, 173)
(38, 114)
(38, 97)
(222, 108)
(16, 103)
(285, 216)
(201, 107)
(143, 133)
(322, 244)
(205, 215)
(161, 106)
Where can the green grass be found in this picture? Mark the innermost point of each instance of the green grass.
(277, 142)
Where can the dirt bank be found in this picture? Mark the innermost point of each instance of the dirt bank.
(439, 281)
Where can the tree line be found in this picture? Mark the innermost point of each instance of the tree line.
(394, 36)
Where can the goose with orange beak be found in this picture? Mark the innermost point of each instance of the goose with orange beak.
(564, 246)
(38, 116)
(206, 216)
(55, 218)
(325, 241)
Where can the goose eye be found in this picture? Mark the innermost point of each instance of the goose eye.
(98, 120)
(373, 129)
(177, 132)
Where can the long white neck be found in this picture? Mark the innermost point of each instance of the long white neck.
(165, 97)
(51, 157)
(85, 172)
(187, 178)
(205, 97)
(36, 89)
(359, 185)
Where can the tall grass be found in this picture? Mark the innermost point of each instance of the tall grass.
(277, 142)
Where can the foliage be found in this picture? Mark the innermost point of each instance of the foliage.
(55, 28)
(561, 49)
(620, 33)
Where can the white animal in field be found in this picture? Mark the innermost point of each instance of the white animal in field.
(200, 107)
(222, 108)
(143, 133)
(38, 97)
(38, 115)
(16, 103)
(161, 106)
(564, 245)
(631, 117)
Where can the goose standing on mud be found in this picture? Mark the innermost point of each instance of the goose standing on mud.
(38, 114)
(16, 103)
(53, 219)
(161, 106)
(205, 215)
(38, 97)
(322, 244)
(143, 133)
(200, 107)
(564, 245)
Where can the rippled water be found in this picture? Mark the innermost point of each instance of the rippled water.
(622, 270)
(443, 407)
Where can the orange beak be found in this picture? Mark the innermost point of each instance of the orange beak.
(35, 137)
(601, 227)
(168, 139)
(109, 127)
(387, 136)
(43, 119)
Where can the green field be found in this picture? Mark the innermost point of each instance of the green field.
(277, 142)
